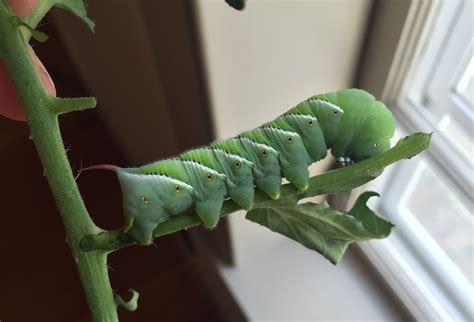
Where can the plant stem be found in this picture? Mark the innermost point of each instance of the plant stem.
(340, 180)
(45, 132)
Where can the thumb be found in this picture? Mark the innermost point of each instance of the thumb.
(10, 105)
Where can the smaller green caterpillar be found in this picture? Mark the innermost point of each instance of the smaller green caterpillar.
(349, 122)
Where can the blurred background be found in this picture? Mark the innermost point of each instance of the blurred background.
(170, 75)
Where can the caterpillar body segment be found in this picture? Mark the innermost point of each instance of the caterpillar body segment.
(209, 189)
(238, 171)
(350, 123)
(151, 199)
(309, 130)
(294, 159)
(328, 114)
(265, 160)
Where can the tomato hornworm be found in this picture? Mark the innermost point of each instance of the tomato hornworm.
(349, 122)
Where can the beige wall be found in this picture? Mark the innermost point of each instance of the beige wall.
(276, 53)
(259, 63)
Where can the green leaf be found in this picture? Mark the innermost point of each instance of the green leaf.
(37, 35)
(236, 4)
(372, 222)
(77, 7)
(321, 228)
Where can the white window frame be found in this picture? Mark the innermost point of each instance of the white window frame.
(420, 273)
(450, 48)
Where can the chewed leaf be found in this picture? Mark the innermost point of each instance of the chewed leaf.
(368, 218)
(321, 228)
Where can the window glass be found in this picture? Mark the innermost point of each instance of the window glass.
(432, 202)
(450, 106)
(460, 137)
(465, 86)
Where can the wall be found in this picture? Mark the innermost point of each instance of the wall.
(259, 63)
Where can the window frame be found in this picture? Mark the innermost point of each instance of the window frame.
(431, 287)
(409, 102)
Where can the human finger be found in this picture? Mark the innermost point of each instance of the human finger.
(22, 7)
(10, 105)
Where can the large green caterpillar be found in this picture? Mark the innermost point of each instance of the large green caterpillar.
(350, 122)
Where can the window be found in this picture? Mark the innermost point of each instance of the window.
(429, 260)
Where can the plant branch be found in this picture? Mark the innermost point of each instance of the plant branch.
(64, 105)
(340, 180)
(43, 124)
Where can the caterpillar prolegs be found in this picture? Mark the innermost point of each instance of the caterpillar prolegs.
(350, 122)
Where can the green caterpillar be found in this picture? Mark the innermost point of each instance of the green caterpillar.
(350, 122)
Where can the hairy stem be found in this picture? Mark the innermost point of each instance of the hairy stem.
(41, 110)
(341, 180)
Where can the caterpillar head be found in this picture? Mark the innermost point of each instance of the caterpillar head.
(374, 136)
(370, 149)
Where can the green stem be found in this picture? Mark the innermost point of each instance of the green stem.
(65, 105)
(45, 132)
(340, 180)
